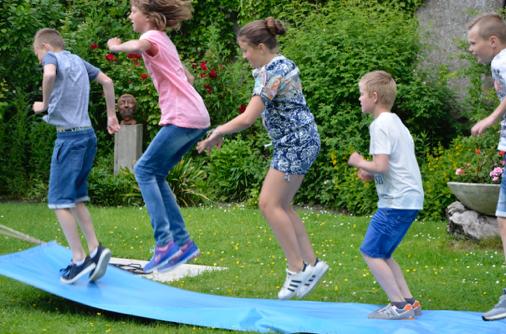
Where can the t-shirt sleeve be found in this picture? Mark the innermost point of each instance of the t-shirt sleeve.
(49, 59)
(92, 70)
(267, 85)
(381, 142)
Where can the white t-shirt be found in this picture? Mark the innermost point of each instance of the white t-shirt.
(400, 187)
(498, 67)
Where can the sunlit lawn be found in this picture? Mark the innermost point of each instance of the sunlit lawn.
(442, 273)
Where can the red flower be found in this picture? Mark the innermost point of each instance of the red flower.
(133, 56)
(477, 151)
(93, 46)
(212, 74)
(501, 153)
(194, 65)
(203, 75)
(110, 57)
(203, 66)
(144, 76)
(208, 88)
(242, 108)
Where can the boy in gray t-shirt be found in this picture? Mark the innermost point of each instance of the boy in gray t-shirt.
(65, 94)
(399, 186)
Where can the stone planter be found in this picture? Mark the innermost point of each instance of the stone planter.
(480, 197)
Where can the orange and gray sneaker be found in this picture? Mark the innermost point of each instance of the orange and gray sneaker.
(391, 312)
(417, 308)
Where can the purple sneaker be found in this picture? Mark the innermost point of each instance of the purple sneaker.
(162, 256)
(189, 251)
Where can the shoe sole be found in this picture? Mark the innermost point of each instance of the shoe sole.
(189, 258)
(101, 266)
(78, 276)
(495, 317)
(305, 290)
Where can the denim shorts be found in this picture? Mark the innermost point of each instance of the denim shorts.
(71, 162)
(385, 232)
(295, 154)
(500, 210)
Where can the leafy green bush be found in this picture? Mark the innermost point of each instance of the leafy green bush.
(234, 170)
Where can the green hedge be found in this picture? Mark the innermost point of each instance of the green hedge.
(333, 42)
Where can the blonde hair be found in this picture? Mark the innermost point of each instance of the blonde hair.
(490, 24)
(49, 36)
(165, 13)
(262, 31)
(383, 84)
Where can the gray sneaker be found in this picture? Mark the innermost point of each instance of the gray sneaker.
(499, 310)
(390, 312)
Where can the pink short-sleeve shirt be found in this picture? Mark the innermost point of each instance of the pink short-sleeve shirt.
(180, 103)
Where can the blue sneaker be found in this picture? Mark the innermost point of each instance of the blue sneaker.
(101, 259)
(162, 256)
(73, 272)
(189, 251)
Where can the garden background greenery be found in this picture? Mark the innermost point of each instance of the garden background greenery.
(333, 42)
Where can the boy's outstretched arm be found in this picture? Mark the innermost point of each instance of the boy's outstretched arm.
(379, 163)
(490, 120)
(48, 80)
(110, 102)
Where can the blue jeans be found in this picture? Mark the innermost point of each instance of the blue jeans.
(385, 231)
(162, 154)
(71, 162)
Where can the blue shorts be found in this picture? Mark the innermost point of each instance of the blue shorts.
(385, 232)
(296, 152)
(72, 159)
(500, 210)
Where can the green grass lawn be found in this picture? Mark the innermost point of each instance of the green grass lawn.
(443, 273)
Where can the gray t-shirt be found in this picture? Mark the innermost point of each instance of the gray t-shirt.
(68, 103)
(401, 186)
(498, 67)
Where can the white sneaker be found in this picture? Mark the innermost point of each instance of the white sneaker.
(293, 282)
(315, 274)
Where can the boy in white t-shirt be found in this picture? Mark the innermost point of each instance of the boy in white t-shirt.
(399, 186)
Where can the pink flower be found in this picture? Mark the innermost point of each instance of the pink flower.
(459, 171)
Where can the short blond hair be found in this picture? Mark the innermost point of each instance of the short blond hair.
(383, 84)
(49, 36)
(490, 24)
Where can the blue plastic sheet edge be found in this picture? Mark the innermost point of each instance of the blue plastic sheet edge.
(122, 292)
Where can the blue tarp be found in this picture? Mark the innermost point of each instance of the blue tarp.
(123, 292)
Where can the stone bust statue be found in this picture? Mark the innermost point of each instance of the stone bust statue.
(127, 104)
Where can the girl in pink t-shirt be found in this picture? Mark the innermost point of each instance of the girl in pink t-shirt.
(184, 119)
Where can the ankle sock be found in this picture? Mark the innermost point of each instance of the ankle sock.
(399, 305)
(78, 263)
(410, 300)
(92, 254)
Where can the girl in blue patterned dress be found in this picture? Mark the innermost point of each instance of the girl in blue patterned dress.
(278, 99)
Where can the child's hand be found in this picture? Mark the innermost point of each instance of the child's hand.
(214, 139)
(355, 159)
(481, 126)
(38, 107)
(363, 175)
(112, 124)
(111, 43)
